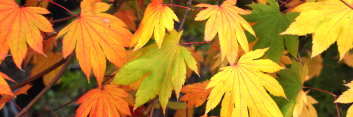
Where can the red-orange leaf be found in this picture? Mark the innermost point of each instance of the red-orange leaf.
(21, 26)
(196, 94)
(107, 101)
(96, 36)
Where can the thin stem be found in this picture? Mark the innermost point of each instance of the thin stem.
(39, 75)
(62, 19)
(62, 7)
(179, 6)
(345, 3)
(66, 104)
(189, 3)
(285, 2)
(330, 93)
(153, 104)
(47, 88)
(189, 43)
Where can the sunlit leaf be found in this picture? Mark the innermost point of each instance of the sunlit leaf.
(347, 97)
(96, 36)
(195, 94)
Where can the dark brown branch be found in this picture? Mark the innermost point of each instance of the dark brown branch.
(189, 3)
(66, 104)
(46, 89)
(35, 77)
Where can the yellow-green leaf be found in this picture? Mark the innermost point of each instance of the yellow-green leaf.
(163, 70)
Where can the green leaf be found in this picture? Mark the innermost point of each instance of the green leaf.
(270, 22)
(291, 81)
(164, 70)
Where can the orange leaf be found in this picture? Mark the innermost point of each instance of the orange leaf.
(196, 94)
(6, 98)
(5, 88)
(96, 36)
(227, 22)
(128, 17)
(107, 101)
(157, 19)
(21, 26)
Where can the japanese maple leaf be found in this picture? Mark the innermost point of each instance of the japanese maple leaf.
(156, 20)
(195, 94)
(347, 97)
(107, 101)
(270, 22)
(227, 22)
(5, 88)
(244, 87)
(163, 70)
(298, 103)
(330, 21)
(21, 26)
(96, 36)
(6, 98)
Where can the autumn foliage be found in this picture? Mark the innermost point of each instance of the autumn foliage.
(182, 57)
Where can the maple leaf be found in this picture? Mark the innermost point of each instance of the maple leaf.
(195, 94)
(6, 98)
(227, 22)
(347, 59)
(329, 21)
(107, 101)
(164, 67)
(270, 22)
(21, 26)
(347, 97)
(5, 88)
(96, 36)
(156, 20)
(298, 103)
(314, 65)
(42, 63)
(243, 87)
(128, 17)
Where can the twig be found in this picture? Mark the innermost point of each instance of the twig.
(330, 93)
(62, 19)
(189, 3)
(39, 75)
(153, 104)
(64, 105)
(46, 89)
(188, 43)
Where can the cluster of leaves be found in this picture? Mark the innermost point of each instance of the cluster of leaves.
(264, 76)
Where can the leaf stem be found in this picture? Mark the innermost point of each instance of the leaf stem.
(189, 43)
(62, 19)
(189, 3)
(47, 88)
(179, 6)
(62, 7)
(330, 93)
(345, 3)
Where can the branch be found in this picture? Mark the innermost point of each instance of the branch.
(62, 19)
(46, 89)
(189, 3)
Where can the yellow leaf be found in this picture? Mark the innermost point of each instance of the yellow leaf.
(304, 105)
(96, 36)
(156, 20)
(107, 101)
(227, 22)
(244, 87)
(314, 66)
(330, 21)
(347, 97)
(21, 26)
